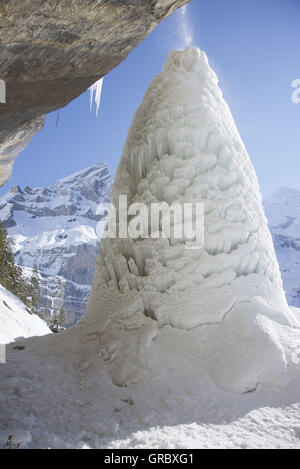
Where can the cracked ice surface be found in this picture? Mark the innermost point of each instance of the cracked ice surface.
(183, 145)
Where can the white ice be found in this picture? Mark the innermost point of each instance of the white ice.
(183, 145)
(96, 89)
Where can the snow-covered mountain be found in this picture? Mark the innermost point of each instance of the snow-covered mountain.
(56, 227)
(283, 213)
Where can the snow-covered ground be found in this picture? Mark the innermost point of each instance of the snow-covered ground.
(58, 393)
(16, 321)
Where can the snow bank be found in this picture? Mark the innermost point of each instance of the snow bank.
(15, 320)
(172, 404)
(183, 145)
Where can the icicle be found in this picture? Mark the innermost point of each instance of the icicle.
(97, 89)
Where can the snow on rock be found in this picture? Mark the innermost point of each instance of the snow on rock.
(56, 227)
(183, 145)
(283, 213)
(16, 321)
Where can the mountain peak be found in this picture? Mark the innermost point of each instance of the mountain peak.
(57, 227)
(78, 194)
(285, 192)
(92, 172)
(282, 203)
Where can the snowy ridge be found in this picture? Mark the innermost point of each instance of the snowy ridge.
(283, 213)
(55, 227)
(183, 145)
(16, 321)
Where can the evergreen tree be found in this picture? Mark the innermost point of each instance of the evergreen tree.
(35, 289)
(10, 274)
(58, 321)
(62, 318)
(22, 288)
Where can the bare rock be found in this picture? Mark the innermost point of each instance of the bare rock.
(51, 52)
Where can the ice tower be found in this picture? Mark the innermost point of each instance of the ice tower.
(184, 145)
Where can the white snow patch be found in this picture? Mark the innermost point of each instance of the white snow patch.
(173, 403)
(16, 321)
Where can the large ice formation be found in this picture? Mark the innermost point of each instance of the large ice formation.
(184, 145)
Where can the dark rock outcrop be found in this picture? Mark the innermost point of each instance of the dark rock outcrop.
(51, 52)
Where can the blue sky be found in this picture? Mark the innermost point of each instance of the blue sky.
(254, 48)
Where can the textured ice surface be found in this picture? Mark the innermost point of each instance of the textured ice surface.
(183, 145)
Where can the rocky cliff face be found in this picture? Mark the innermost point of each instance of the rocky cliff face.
(283, 212)
(51, 52)
(58, 228)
